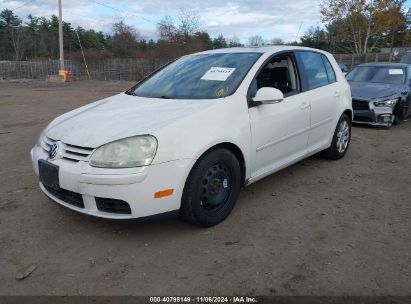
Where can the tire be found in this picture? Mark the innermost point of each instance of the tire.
(211, 189)
(399, 116)
(341, 139)
(397, 120)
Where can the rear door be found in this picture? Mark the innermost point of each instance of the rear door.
(408, 103)
(320, 81)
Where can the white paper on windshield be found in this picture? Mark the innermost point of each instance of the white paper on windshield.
(396, 72)
(218, 74)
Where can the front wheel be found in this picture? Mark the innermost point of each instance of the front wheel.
(341, 139)
(396, 120)
(211, 189)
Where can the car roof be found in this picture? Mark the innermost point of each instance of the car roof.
(262, 49)
(386, 64)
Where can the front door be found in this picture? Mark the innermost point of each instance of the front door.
(279, 131)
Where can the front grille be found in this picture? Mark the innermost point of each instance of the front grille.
(360, 105)
(112, 205)
(69, 197)
(69, 152)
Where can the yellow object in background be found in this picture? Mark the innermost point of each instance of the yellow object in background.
(65, 74)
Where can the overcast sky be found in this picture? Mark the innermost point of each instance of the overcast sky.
(242, 18)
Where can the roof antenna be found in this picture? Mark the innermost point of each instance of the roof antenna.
(299, 29)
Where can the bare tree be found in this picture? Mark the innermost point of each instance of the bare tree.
(187, 27)
(166, 29)
(234, 42)
(276, 41)
(18, 40)
(14, 33)
(120, 28)
(256, 40)
(124, 39)
(189, 22)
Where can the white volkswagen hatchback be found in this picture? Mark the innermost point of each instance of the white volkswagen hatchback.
(189, 136)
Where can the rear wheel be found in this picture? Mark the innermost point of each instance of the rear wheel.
(211, 189)
(341, 139)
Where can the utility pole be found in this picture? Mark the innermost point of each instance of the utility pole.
(61, 37)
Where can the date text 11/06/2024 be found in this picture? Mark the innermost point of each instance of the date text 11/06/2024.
(203, 299)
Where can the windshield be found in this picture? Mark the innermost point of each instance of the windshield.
(406, 58)
(378, 74)
(204, 76)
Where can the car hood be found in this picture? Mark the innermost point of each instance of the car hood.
(121, 116)
(370, 91)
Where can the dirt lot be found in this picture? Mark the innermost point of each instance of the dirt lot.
(317, 228)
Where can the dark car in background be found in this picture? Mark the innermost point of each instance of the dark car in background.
(344, 68)
(380, 93)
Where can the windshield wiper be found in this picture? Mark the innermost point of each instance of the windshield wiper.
(130, 93)
(164, 97)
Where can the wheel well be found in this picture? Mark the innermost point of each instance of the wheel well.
(397, 109)
(236, 151)
(349, 113)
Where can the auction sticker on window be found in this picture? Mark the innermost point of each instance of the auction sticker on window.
(218, 74)
(396, 72)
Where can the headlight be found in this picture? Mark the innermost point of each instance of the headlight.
(386, 103)
(129, 152)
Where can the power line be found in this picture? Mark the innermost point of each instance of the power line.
(24, 4)
(123, 12)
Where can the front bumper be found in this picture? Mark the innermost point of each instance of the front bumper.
(134, 186)
(376, 116)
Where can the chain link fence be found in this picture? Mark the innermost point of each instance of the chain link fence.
(130, 69)
(351, 60)
(108, 69)
(34, 69)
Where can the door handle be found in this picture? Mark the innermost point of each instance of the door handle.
(304, 105)
(336, 94)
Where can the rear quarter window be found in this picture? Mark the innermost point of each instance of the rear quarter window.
(330, 70)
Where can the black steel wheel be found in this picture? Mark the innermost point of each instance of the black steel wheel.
(212, 188)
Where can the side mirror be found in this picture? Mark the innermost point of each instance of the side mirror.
(268, 95)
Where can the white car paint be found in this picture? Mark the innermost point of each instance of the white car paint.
(270, 137)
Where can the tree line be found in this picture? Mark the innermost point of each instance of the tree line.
(349, 26)
(37, 38)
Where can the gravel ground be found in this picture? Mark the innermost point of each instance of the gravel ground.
(316, 228)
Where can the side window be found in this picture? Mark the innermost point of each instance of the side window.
(280, 73)
(315, 72)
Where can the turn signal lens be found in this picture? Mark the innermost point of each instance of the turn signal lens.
(163, 193)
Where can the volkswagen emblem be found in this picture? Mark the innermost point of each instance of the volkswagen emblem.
(54, 150)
